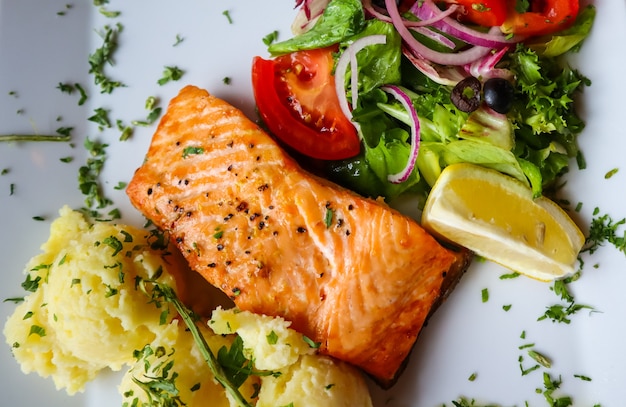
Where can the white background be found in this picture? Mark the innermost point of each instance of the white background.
(39, 49)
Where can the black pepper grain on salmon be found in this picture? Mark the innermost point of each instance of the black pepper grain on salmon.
(392, 266)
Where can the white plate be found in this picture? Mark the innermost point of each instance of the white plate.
(39, 49)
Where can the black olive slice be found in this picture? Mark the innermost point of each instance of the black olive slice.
(466, 94)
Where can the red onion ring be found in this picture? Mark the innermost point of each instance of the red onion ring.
(426, 10)
(443, 75)
(348, 57)
(308, 14)
(406, 102)
(374, 12)
(435, 36)
(486, 67)
(442, 58)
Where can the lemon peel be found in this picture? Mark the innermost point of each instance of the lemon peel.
(495, 216)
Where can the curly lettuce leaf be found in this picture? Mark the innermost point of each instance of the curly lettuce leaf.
(544, 116)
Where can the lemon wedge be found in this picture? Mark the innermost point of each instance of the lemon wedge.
(496, 217)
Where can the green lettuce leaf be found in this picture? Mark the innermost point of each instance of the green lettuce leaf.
(378, 65)
(481, 153)
(341, 19)
(569, 39)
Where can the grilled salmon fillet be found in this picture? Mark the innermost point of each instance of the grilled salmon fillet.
(355, 276)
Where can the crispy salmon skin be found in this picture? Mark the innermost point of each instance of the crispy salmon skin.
(353, 275)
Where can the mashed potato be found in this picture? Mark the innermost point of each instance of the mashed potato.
(267, 340)
(306, 379)
(174, 360)
(85, 313)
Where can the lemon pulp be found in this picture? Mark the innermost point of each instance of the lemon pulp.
(496, 216)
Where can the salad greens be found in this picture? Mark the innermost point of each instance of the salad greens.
(341, 20)
(534, 142)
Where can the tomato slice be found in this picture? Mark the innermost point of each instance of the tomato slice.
(296, 98)
(544, 17)
(486, 13)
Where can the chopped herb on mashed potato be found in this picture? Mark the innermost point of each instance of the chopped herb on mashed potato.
(85, 311)
(306, 378)
(172, 368)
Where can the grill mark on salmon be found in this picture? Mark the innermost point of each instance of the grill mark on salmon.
(253, 223)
